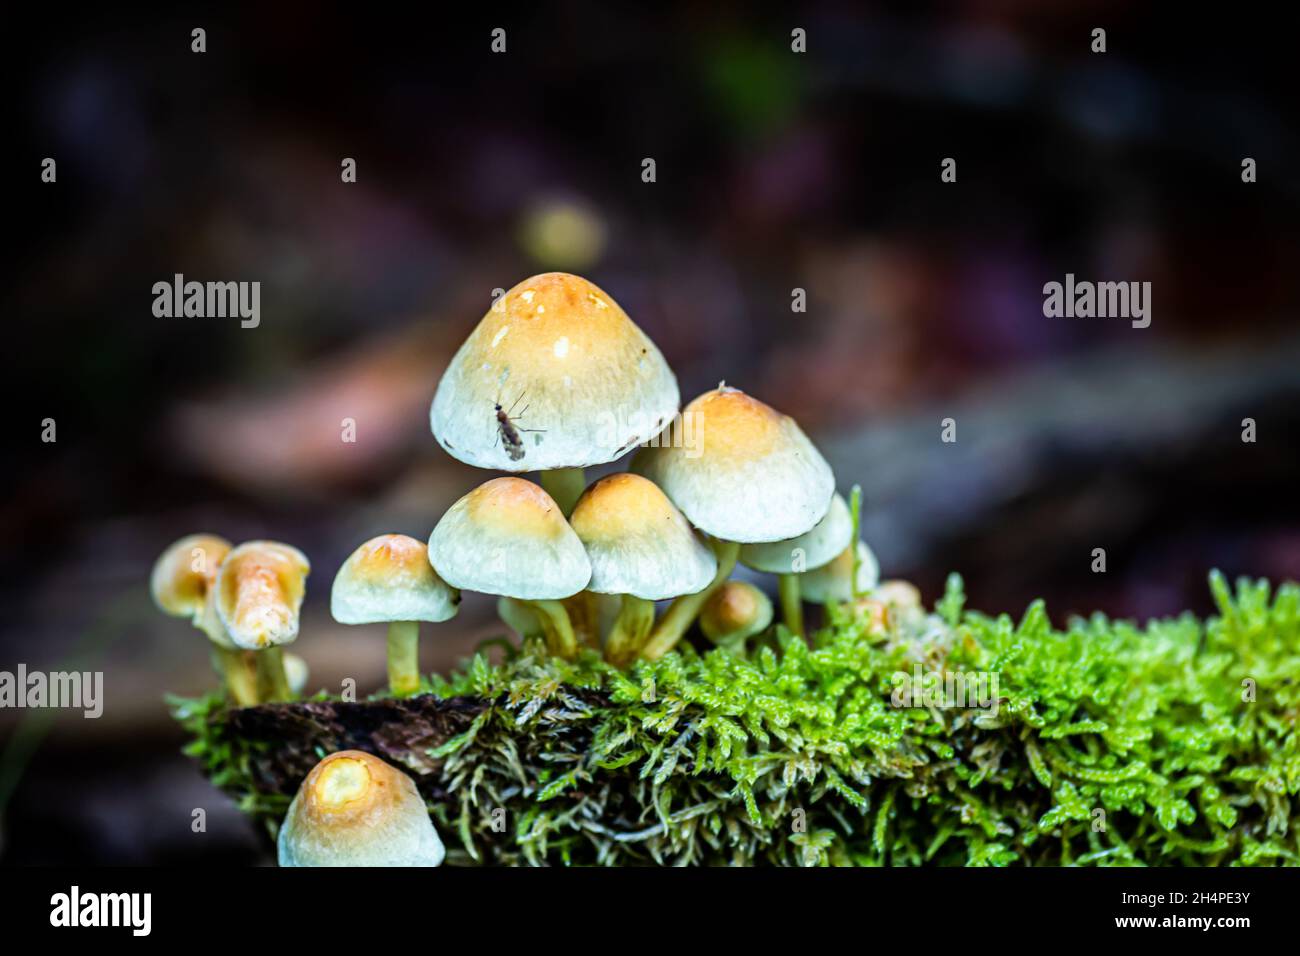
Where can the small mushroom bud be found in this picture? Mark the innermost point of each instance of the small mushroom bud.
(259, 592)
(389, 579)
(296, 673)
(734, 612)
(353, 809)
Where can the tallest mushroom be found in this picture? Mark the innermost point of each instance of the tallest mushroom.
(553, 379)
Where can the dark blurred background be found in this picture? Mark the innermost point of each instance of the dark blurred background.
(775, 170)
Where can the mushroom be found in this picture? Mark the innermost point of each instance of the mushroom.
(296, 673)
(354, 809)
(789, 559)
(389, 579)
(734, 612)
(755, 477)
(554, 378)
(507, 537)
(520, 618)
(259, 591)
(833, 582)
(182, 585)
(642, 548)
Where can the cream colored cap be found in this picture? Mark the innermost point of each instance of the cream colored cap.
(638, 542)
(184, 574)
(260, 588)
(580, 383)
(830, 536)
(389, 578)
(355, 810)
(833, 581)
(508, 537)
(754, 476)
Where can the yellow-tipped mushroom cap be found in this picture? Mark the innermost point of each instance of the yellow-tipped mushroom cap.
(184, 574)
(259, 591)
(735, 611)
(638, 542)
(578, 382)
(508, 537)
(389, 578)
(355, 810)
(754, 476)
(811, 550)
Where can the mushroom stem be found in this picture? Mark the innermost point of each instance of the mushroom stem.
(686, 608)
(233, 665)
(791, 603)
(272, 682)
(403, 657)
(631, 628)
(565, 485)
(560, 639)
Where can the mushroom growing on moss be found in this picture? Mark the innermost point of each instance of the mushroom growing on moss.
(755, 477)
(259, 591)
(354, 809)
(642, 548)
(789, 559)
(734, 612)
(182, 584)
(507, 537)
(389, 579)
(554, 378)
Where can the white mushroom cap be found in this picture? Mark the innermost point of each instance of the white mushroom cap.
(735, 611)
(833, 581)
(184, 574)
(389, 578)
(260, 588)
(754, 476)
(355, 810)
(811, 550)
(638, 543)
(592, 383)
(508, 537)
(296, 673)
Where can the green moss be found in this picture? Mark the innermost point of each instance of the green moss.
(1113, 745)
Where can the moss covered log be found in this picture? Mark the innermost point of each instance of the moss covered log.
(1110, 744)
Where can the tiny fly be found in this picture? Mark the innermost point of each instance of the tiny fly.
(507, 433)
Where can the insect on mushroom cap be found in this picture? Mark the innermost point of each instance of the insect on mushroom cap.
(354, 809)
(555, 375)
(638, 542)
(753, 477)
(389, 578)
(260, 588)
(508, 537)
(184, 574)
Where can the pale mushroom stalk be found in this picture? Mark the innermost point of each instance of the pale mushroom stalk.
(683, 611)
(237, 673)
(272, 681)
(565, 485)
(631, 628)
(561, 640)
(787, 589)
(404, 656)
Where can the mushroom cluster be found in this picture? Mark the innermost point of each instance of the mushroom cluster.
(554, 379)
